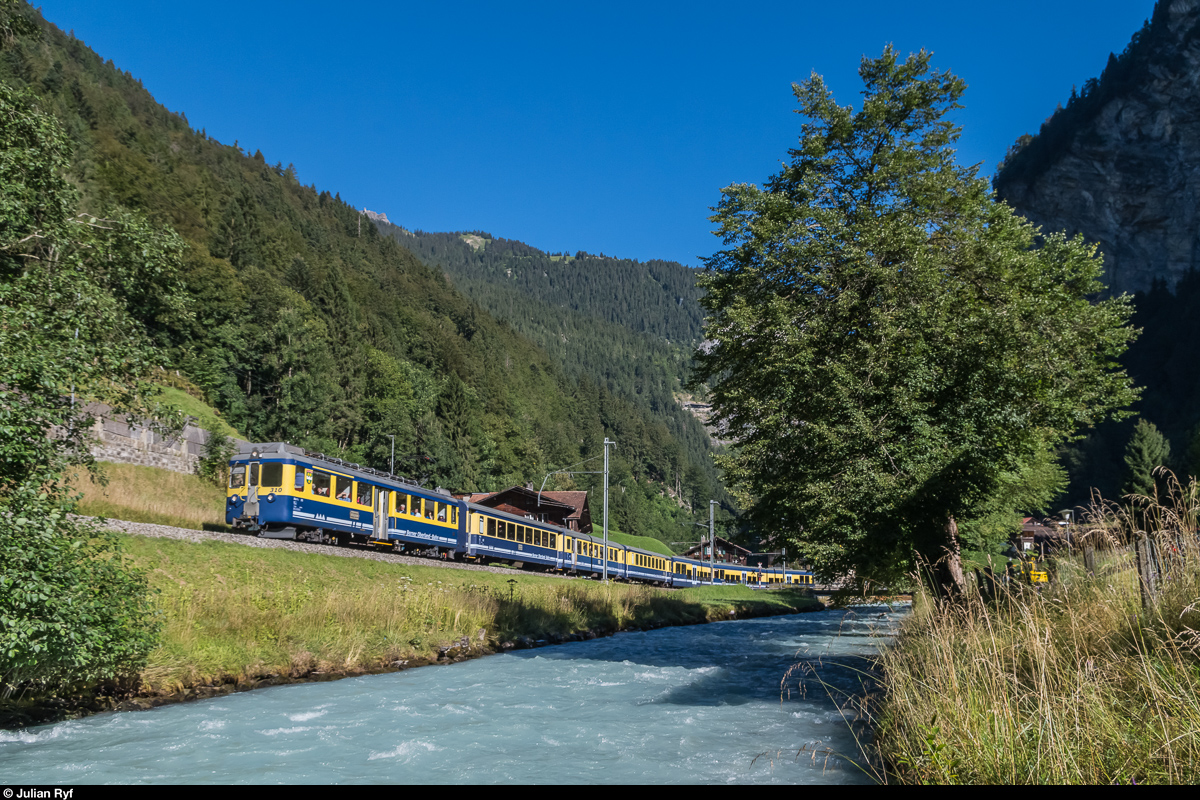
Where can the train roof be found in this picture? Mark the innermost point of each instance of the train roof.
(378, 477)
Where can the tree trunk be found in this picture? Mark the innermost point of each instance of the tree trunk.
(948, 568)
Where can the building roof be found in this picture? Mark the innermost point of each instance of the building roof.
(725, 549)
(569, 509)
(577, 500)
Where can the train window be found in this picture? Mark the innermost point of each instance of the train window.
(554, 541)
(321, 483)
(428, 506)
(537, 538)
(272, 475)
(254, 473)
(491, 527)
(365, 494)
(299, 485)
(454, 515)
(343, 486)
(441, 512)
(237, 477)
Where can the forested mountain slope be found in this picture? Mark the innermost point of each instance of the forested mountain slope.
(659, 298)
(307, 325)
(1117, 165)
(629, 326)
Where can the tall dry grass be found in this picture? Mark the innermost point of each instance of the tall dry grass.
(146, 494)
(1080, 682)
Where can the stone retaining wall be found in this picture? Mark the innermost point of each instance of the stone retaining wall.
(124, 442)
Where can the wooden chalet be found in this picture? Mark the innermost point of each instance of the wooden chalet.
(1038, 537)
(568, 509)
(727, 552)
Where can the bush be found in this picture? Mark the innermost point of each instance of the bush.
(213, 466)
(72, 611)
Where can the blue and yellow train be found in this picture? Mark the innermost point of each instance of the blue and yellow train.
(282, 491)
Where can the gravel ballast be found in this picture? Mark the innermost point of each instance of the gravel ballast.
(189, 535)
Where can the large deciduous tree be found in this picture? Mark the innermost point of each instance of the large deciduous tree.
(894, 352)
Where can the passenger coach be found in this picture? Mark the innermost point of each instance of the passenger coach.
(281, 491)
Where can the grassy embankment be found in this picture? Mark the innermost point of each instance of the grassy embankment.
(146, 494)
(233, 613)
(1080, 683)
(162, 497)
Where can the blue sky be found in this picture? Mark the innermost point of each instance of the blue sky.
(601, 127)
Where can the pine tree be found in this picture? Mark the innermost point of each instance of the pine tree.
(1147, 451)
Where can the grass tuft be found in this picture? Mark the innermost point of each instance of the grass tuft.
(1078, 683)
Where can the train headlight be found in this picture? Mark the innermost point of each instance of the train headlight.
(271, 497)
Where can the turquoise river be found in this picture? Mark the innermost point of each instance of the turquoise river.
(692, 705)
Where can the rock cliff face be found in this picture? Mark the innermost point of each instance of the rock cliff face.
(1121, 164)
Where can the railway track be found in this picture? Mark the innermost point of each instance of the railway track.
(351, 551)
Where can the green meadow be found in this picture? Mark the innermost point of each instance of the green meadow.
(232, 613)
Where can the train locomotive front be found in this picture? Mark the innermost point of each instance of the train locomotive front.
(280, 491)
